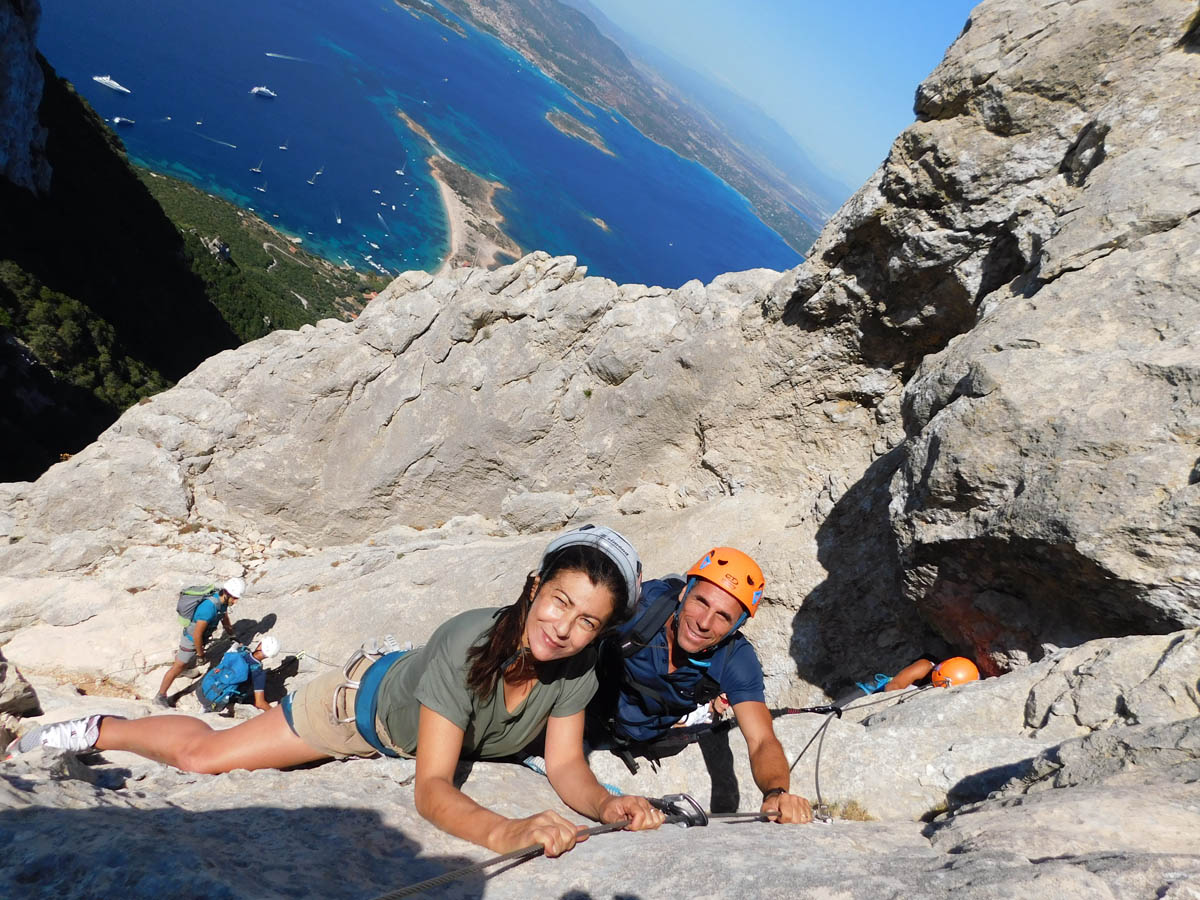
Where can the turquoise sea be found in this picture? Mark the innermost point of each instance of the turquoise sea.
(328, 160)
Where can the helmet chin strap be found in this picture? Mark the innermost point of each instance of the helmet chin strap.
(705, 663)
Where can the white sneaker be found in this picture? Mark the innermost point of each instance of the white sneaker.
(74, 736)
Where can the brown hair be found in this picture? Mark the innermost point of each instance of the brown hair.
(500, 648)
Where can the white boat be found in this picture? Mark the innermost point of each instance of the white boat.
(263, 188)
(261, 90)
(121, 120)
(257, 170)
(283, 146)
(109, 82)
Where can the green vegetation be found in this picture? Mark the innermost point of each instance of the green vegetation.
(114, 283)
(72, 341)
(255, 275)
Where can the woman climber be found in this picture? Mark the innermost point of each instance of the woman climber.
(487, 682)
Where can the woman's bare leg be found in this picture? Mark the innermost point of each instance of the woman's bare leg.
(264, 742)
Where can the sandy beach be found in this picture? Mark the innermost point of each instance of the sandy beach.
(476, 238)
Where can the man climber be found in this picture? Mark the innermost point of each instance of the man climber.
(681, 650)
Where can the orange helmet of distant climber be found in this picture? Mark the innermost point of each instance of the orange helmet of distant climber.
(956, 670)
(733, 571)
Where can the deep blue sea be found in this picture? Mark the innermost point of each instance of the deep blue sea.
(340, 72)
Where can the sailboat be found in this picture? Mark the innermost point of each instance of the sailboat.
(337, 214)
(263, 188)
(283, 146)
(257, 170)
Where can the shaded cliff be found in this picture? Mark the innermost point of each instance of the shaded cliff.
(95, 282)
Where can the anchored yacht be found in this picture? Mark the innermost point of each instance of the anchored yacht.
(109, 82)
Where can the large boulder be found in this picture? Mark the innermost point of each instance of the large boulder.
(17, 696)
(1029, 251)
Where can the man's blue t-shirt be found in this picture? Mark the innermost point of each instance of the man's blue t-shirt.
(210, 610)
(258, 676)
(643, 716)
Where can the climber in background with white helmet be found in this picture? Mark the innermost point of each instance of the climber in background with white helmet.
(239, 676)
(210, 604)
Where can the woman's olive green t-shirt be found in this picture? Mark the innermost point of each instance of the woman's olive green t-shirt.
(435, 676)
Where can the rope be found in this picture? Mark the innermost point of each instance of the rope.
(533, 850)
(822, 811)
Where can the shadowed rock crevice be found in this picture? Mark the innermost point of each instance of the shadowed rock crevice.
(1190, 42)
(1007, 601)
(856, 621)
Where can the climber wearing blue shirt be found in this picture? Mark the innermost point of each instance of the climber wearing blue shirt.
(683, 650)
(201, 626)
(239, 676)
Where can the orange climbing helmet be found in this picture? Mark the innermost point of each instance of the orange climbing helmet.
(956, 670)
(733, 571)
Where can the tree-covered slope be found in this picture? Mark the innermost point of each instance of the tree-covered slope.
(114, 283)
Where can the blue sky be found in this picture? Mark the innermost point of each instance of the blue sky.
(839, 76)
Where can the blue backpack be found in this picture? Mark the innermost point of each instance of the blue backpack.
(223, 683)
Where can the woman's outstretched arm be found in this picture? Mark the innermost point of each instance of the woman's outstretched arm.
(439, 743)
(264, 742)
(910, 674)
(576, 783)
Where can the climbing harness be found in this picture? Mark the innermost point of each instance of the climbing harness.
(680, 809)
(678, 738)
(382, 655)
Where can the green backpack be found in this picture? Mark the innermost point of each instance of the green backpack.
(190, 598)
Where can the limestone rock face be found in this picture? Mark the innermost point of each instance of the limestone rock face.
(1030, 249)
(1113, 813)
(22, 138)
(17, 697)
(464, 412)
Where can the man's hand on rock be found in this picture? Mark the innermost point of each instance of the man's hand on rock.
(791, 809)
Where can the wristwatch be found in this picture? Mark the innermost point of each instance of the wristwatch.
(768, 794)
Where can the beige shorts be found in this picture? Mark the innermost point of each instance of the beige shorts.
(314, 717)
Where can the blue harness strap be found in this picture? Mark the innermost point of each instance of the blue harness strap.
(366, 702)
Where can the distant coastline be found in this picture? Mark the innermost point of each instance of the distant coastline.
(476, 238)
